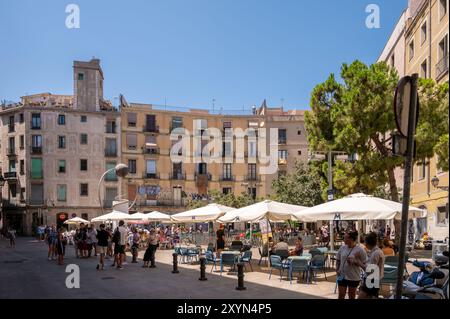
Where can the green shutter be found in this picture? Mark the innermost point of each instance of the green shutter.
(36, 168)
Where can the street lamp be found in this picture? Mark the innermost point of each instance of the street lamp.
(121, 171)
(435, 183)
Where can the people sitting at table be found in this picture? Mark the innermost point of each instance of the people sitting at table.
(281, 246)
(298, 250)
(388, 249)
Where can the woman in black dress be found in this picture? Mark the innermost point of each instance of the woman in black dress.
(220, 242)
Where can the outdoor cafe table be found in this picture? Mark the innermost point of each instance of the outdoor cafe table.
(191, 250)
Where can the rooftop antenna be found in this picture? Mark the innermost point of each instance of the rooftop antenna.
(282, 102)
(165, 103)
(213, 104)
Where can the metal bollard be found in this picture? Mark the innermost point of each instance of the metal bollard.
(202, 269)
(175, 263)
(240, 285)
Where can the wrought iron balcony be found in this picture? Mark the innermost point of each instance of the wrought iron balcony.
(110, 152)
(151, 150)
(178, 176)
(148, 129)
(36, 150)
(10, 175)
(226, 178)
(11, 151)
(252, 178)
(150, 176)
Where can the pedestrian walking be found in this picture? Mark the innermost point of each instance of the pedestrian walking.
(220, 240)
(348, 266)
(135, 245)
(103, 237)
(52, 237)
(12, 237)
(61, 246)
(120, 239)
(91, 240)
(375, 257)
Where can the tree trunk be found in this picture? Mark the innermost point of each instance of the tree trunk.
(395, 197)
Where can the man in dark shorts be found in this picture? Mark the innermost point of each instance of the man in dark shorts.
(220, 242)
(102, 245)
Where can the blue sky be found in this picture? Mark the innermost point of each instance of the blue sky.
(188, 52)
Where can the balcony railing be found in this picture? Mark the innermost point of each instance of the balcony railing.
(151, 151)
(35, 126)
(11, 151)
(162, 202)
(252, 178)
(281, 140)
(226, 178)
(37, 201)
(178, 176)
(150, 176)
(442, 66)
(10, 175)
(36, 150)
(148, 129)
(107, 203)
(110, 152)
(199, 176)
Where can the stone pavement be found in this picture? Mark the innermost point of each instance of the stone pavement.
(25, 272)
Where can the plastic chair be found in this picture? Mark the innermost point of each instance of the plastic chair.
(389, 278)
(276, 263)
(300, 265)
(236, 245)
(247, 258)
(391, 261)
(318, 263)
(227, 260)
(210, 247)
(315, 252)
(282, 253)
(211, 258)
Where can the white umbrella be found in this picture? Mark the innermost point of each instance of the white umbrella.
(157, 216)
(76, 221)
(357, 207)
(139, 216)
(114, 216)
(267, 209)
(203, 214)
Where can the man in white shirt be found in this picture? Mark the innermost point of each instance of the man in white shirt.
(122, 243)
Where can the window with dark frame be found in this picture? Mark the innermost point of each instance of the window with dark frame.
(132, 166)
(22, 167)
(84, 189)
(83, 139)
(80, 76)
(83, 164)
(61, 119)
(61, 142)
(281, 136)
(83, 118)
(36, 121)
(61, 166)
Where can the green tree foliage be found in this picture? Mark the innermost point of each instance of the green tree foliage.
(302, 186)
(359, 114)
(230, 200)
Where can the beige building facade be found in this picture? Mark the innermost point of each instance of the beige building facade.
(54, 152)
(426, 53)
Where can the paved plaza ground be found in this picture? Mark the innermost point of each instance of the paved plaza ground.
(25, 272)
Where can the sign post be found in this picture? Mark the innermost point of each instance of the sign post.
(406, 115)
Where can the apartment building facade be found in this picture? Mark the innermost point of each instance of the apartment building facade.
(426, 53)
(54, 150)
(158, 182)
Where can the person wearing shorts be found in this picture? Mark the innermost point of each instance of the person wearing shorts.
(350, 257)
(52, 238)
(102, 246)
(375, 257)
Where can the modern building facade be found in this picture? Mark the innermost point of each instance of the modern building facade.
(54, 150)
